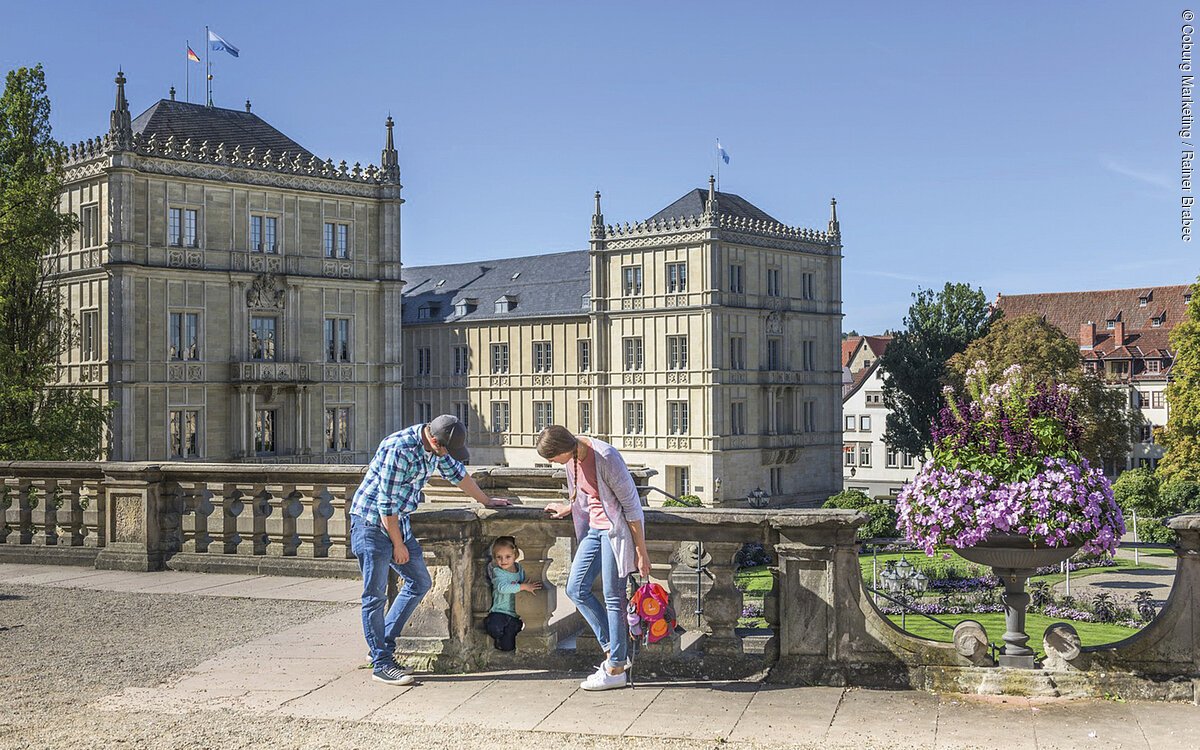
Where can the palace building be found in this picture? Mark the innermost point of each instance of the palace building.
(241, 300)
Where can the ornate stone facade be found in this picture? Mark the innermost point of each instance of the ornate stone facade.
(237, 298)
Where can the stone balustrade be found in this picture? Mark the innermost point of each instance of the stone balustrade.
(822, 627)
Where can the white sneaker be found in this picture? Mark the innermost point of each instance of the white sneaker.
(602, 679)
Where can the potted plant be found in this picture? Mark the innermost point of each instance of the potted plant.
(1007, 487)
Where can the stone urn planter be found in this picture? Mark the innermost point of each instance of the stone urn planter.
(1013, 558)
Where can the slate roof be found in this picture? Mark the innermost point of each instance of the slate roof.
(728, 204)
(553, 284)
(860, 377)
(232, 127)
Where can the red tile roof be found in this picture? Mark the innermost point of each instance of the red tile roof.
(878, 344)
(1069, 310)
(849, 346)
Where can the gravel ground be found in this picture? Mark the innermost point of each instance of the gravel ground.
(62, 649)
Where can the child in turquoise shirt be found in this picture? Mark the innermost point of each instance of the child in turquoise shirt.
(507, 577)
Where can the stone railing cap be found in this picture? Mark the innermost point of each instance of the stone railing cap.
(1187, 522)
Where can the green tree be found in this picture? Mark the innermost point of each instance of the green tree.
(1182, 434)
(38, 419)
(1137, 489)
(882, 522)
(1047, 355)
(938, 326)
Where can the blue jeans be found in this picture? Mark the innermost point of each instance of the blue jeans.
(594, 557)
(373, 548)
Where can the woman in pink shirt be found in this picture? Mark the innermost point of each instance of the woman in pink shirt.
(604, 504)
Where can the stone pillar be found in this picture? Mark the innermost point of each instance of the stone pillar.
(91, 499)
(535, 609)
(42, 502)
(133, 510)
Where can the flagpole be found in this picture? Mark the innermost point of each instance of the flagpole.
(718, 164)
(187, 71)
(207, 70)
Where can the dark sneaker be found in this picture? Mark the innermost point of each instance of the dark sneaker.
(392, 675)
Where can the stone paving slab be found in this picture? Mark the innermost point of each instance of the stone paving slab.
(967, 721)
(1106, 724)
(788, 714)
(891, 718)
(350, 697)
(675, 711)
(619, 709)
(431, 701)
(1168, 725)
(515, 702)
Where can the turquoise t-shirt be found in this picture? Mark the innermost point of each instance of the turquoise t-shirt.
(505, 586)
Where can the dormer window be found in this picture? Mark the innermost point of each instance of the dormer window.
(1159, 319)
(586, 301)
(465, 305)
(1144, 298)
(1110, 324)
(506, 303)
(428, 311)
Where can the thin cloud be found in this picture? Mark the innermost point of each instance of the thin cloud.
(1149, 178)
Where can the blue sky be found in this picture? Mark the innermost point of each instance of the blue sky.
(1020, 147)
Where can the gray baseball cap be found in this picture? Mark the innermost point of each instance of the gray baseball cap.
(452, 434)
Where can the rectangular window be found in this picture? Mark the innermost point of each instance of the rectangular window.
(424, 412)
(424, 361)
(776, 481)
(184, 426)
(337, 339)
(337, 240)
(500, 416)
(631, 281)
(774, 354)
(585, 416)
(633, 353)
(1154, 365)
(677, 352)
(337, 429)
(1156, 400)
(635, 417)
(1119, 368)
(864, 423)
(810, 416)
(1145, 433)
(893, 458)
(585, 355)
(737, 418)
(808, 349)
(676, 278)
(462, 410)
(89, 226)
(677, 417)
(906, 461)
(262, 234)
(264, 431)
(864, 454)
(1143, 398)
(543, 415)
(189, 227)
(89, 335)
(499, 358)
(848, 455)
(874, 398)
(736, 284)
(680, 478)
(462, 360)
(774, 285)
(263, 341)
(175, 227)
(185, 336)
(806, 286)
(543, 356)
(737, 353)
(851, 423)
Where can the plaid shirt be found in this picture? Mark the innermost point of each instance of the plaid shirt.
(396, 476)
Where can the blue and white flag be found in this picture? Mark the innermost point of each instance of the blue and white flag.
(721, 150)
(217, 44)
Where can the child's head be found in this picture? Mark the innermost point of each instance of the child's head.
(505, 551)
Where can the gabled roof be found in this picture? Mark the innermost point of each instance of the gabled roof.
(860, 377)
(728, 204)
(1067, 311)
(216, 125)
(849, 347)
(542, 285)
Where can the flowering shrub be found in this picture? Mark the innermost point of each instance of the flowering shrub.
(1006, 460)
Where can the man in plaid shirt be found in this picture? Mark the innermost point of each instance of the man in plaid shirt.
(380, 535)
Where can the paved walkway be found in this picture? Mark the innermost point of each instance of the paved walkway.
(314, 671)
(1156, 575)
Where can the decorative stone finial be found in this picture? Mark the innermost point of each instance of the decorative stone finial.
(597, 216)
(120, 124)
(172, 93)
(835, 229)
(389, 161)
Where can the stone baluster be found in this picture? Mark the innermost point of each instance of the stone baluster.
(44, 498)
(338, 525)
(23, 515)
(313, 524)
(197, 516)
(282, 526)
(6, 504)
(70, 516)
(535, 610)
(252, 522)
(232, 508)
(667, 569)
(722, 602)
(771, 614)
(91, 499)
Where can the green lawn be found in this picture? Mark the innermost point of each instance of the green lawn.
(1091, 633)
